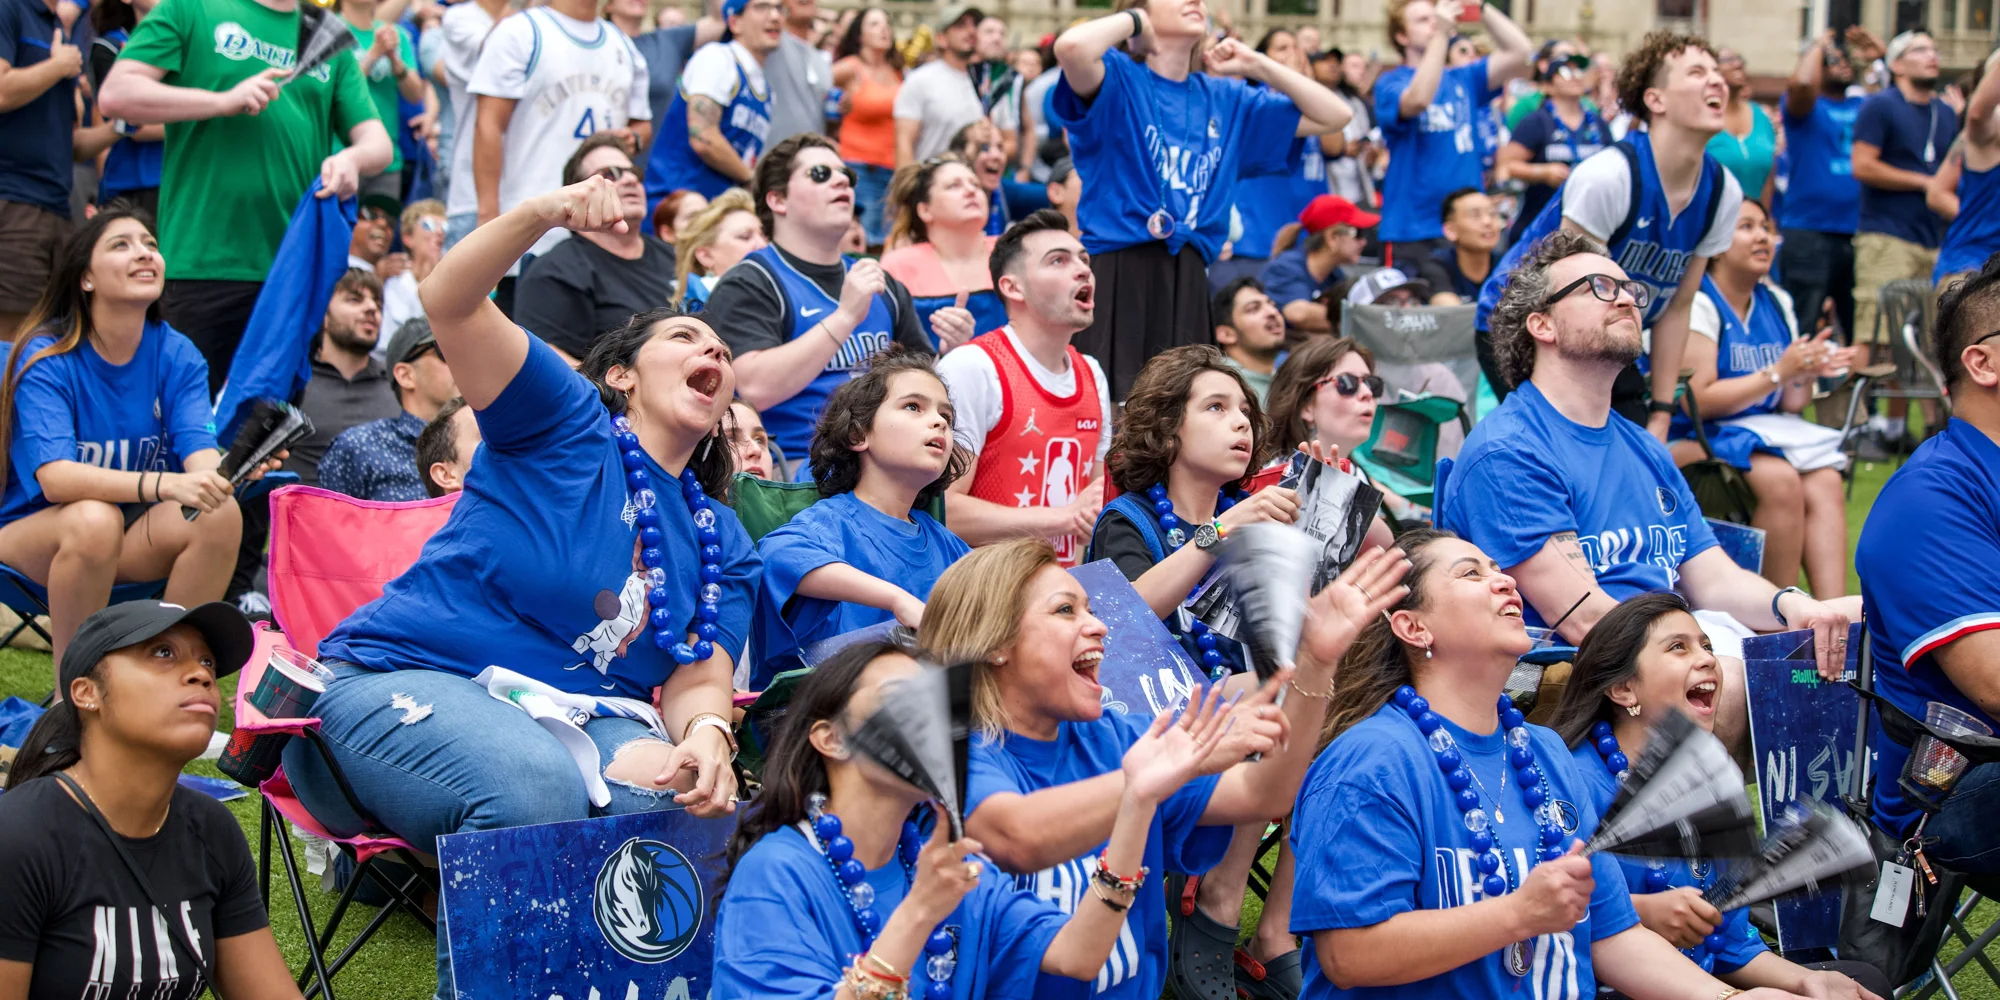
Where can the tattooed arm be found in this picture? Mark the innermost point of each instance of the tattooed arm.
(705, 137)
(1555, 578)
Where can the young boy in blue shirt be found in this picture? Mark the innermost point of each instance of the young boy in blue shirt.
(864, 554)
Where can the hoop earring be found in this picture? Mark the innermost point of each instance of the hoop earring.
(1632, 710)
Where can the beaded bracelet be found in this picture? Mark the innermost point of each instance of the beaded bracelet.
(1104, 896)
(1104, 877)
(866, 986)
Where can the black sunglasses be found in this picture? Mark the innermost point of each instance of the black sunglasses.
(1347, 384)
(614, 174)
(1986, 338)
(430, 348)
(1606, 289)
(820, 173)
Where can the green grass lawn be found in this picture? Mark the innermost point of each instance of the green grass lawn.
(398, 964)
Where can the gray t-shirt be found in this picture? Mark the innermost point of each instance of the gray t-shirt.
(799, 76)
(940, 97)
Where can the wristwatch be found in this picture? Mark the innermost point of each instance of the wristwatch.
(1207, 536)
(1772, 374)
(712, 721)
(1656, 406)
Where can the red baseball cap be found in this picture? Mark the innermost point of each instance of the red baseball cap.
(1332, 210)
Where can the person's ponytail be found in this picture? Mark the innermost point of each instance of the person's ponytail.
(54, 744)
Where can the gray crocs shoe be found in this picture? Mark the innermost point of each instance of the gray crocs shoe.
(1279, 979)
(1200, 957)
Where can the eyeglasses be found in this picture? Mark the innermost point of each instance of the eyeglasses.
(820, 173)
(614, 174)
(418, 354)
(1986, 338)
(431, 224)
(370, 213)
(1606, 289)
(1347, 383)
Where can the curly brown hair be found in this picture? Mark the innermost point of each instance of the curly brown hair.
(849, 416)
(1527, 293)
(1148, 438)
(1646, 67)
(1293, 387)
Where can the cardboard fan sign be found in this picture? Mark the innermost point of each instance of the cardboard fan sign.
(1809, 844)
(919, 730)
(1683, 798)
(322, 35)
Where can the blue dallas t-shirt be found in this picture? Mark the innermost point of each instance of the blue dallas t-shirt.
(1975, 234)
(1909, 138)
(147, 414)
(1741, 942)
(1926, 562)
(1432, 154)
(535, 569)
(1377, 833)
(839, 529)
(785, 931)
(1527, 472)
(1660, 244)
(1144, 143)
(1268, 202)
(1821, 193)
(1137, 968)
(1548, 139)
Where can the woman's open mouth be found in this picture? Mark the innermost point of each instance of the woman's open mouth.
(706, 380)
(1086, 665)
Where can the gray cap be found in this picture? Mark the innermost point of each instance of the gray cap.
(409, 338)
(952, 13)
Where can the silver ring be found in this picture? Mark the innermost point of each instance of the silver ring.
(972, 870)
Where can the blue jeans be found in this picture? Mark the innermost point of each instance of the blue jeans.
(871, 196)
(472, 762)
(1964, 827)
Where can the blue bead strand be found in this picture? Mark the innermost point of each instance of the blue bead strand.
(668, 633)
(940, 949)
(1175, 532)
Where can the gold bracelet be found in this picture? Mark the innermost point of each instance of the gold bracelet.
(837, 342)
(1727, 992)
(1104, 896)
(887, 969)
(867, 987)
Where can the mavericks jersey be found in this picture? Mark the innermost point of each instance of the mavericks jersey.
(745, 125)
(1975, 234)
(1044, 447)
(791, 422)
(1653, 244)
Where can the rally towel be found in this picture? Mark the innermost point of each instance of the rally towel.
(274, 358)
(564, 714)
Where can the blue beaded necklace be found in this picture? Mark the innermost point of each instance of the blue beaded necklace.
(1657, 879)
(1499, 876)
(1176, 536)
(669, 634)
(941, 948)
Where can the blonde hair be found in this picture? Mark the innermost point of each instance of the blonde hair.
(975, 610)
(418, 209)
(702, 231)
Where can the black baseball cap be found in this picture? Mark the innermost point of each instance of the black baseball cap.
(228, 634)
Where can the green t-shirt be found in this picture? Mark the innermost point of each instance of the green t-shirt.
(382, 84)
(229, 185)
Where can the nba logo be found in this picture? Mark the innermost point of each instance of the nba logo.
(1062, 475)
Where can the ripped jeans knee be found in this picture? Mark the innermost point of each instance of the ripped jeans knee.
(633, 759)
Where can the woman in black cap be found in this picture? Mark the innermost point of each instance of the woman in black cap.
(118, 881)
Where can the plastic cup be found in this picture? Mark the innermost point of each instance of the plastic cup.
(289, 687)
(1541, 637)
(1933, 764)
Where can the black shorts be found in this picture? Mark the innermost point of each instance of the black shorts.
(213, 315)
(1147, 301)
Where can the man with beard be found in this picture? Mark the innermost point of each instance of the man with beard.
(1582, 508)
(1251, 332)
(1901, 137)
(1034, 411)
(938, 98)
(348, 387)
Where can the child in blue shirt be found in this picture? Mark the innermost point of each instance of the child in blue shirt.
(864, 554)
(900, 913)
(1423, 868)
(1644, 659)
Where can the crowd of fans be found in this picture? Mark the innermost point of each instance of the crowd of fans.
(595, 252)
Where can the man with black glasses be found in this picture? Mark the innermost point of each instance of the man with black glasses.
(801, 317)
(595, 281)
(1583, 508)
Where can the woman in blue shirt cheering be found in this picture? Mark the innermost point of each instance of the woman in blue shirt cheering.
(897, 916)
(1160, 145)
(104, 409)
(1644, 659)
(1437, 832)
(587, 561)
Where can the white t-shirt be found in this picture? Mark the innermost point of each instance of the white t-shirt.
(464, 28)
(974, 385)
(711, 73)
(1599, 193)
(940, 97)
(568, 79)
(1705, 320)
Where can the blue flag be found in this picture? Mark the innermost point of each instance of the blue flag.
(274, 358)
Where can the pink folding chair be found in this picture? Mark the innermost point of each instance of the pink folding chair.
(329, 555)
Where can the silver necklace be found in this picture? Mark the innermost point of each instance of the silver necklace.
(1498, 815)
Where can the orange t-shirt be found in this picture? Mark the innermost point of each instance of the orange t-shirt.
(868, 132)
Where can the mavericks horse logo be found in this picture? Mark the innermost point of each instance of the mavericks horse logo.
(648, 901)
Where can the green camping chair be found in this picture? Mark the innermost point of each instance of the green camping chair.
(1401, 451)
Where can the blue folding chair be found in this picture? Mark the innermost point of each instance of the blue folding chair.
(28, 599)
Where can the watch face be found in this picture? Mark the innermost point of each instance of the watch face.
(1205, 537)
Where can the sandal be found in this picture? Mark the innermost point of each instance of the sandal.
(1200, 963)
(1278, 979)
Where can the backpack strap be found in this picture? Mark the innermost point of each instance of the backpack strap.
(1624, 148)
(1131, 506)
(1711, 172)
